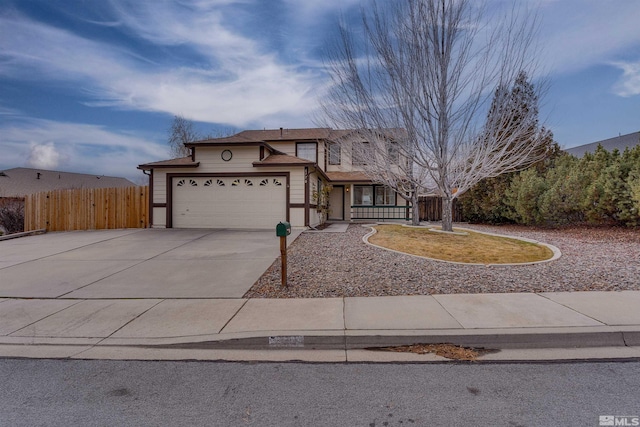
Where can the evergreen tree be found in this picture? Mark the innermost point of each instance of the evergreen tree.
(486, 201)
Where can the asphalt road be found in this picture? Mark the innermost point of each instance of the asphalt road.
(114, 393)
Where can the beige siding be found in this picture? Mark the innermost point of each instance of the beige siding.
(159, 218)
(314, 218)
(296, 217)
(321, 154)
(241, 161)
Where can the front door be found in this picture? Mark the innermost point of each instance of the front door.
(336, 203)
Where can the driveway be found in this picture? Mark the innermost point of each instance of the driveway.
(137, 263)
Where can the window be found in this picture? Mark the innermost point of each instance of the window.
(334, 154)
(394, 152)
(307, 151)
(385, 196)
(363, 195)
(358, 153)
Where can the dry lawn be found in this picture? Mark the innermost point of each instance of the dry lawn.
(476, 248)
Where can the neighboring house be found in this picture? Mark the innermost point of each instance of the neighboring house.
(620, 142)
(20, 182)
(257, 178)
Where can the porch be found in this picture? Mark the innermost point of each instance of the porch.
(381, 213)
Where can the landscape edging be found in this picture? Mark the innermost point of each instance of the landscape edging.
(556, 252)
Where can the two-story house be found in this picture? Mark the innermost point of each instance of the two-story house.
(257, 178)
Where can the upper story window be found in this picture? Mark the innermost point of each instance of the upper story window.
(334, 154)
(358, 157)
(307, 151)
(394, 152)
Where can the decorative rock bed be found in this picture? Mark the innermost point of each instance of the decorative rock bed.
(341, 265)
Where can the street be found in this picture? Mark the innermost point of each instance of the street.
(135, 393)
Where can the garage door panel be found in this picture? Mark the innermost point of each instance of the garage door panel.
(236, 202)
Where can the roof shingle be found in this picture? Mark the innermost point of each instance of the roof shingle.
(267, 135)
(348, 176)
(620, 142)
(19, 182)
(181, 162)
(283, 159)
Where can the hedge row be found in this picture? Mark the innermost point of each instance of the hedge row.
(601, 188)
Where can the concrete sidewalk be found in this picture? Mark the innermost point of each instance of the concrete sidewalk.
(604, 324)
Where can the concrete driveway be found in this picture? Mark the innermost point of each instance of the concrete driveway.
(137, 263)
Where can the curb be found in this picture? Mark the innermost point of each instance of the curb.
(479, 339)
(22, 234)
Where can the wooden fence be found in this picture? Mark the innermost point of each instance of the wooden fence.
(87, 209)
(431, 209)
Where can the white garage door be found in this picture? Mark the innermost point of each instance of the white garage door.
(237, 202)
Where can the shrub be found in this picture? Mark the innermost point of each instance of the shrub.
(524, 194)
(12, 215)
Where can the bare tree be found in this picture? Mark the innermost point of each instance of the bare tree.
(430, 68)
(384, 156)
(183, 131)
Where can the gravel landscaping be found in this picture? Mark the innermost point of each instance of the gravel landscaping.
(341, 265)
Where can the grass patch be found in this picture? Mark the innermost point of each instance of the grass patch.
(476, 248)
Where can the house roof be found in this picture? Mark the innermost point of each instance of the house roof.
(19, 182)
(248, 136)
(181, 162)
(251, 137)
(283, 160)
(620, 142)
(348, 177)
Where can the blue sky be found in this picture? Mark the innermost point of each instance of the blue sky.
(92, 85)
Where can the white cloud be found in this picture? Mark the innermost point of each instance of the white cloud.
(239, 84)
(629, 82)
(43, 156)
(75, 147)
(6, 111)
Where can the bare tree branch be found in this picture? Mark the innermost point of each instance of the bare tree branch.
(430, 68)
(181, 132)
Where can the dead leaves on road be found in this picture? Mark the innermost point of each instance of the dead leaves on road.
(450, 351)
